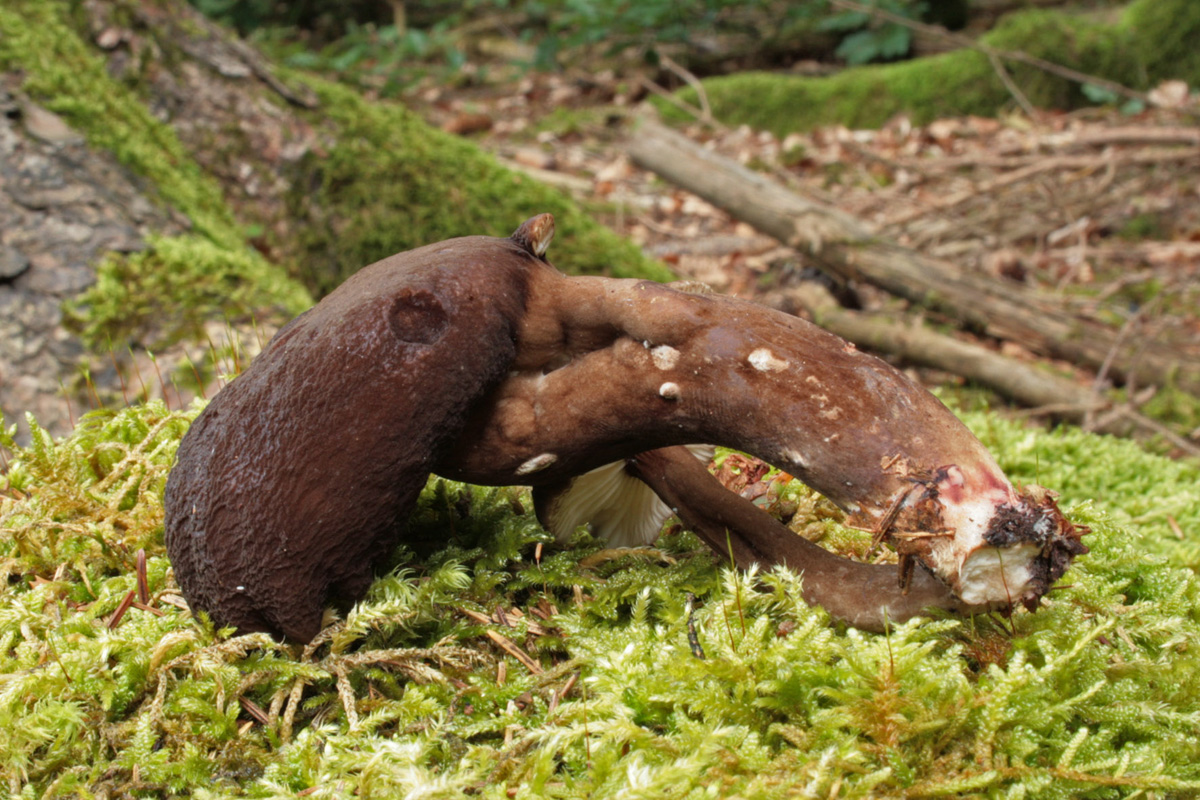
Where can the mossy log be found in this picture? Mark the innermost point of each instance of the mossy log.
(1154, 40)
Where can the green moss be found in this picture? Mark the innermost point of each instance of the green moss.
(1154, 41)
(1096, 695)
(63, 73)
(1164, 36)
(565, 121)
(391, 183)
(1140, 227)
(199, 277)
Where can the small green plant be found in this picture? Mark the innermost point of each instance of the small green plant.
(360, 45)
(382, 57)
(865, 39)
(1102, 95)
(1144, 226)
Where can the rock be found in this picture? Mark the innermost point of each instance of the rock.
(46, 125)
(12, 263)
(60, 280)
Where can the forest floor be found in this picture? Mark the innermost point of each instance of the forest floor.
(1099, 208)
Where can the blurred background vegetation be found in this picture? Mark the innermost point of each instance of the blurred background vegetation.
(391, 43)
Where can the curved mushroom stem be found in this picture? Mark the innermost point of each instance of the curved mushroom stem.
(608, 368)
(867, 596)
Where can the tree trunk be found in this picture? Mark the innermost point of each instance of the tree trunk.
(125, 124)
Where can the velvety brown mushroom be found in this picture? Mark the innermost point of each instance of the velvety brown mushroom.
(477, 360)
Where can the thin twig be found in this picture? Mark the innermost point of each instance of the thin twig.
(1122, 334)
(1162, 430)
(692, 81)
(1037, 166)
(1013, 89)
(1132, 134)
(946, 203)
(1059, 409)
(687, 108)
(1149, 156)
(516, 652)
(143, 584)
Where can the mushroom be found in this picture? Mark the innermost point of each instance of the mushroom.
(867, 596)
(476, 360)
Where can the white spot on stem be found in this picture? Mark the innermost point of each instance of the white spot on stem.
(669, 391)
(795, 458)
(764, 360)
(665, 356)
(537, 463)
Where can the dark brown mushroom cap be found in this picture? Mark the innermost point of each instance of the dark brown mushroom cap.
(300, 473)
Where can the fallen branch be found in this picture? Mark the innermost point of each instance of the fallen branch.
(952, 163)
(843, 245)
(1045, 394)
(1020, 382)
(1131, 134)
(1154, 252)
